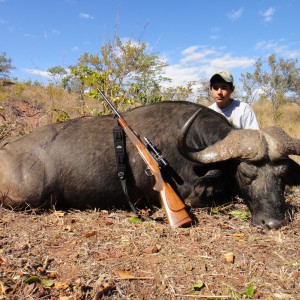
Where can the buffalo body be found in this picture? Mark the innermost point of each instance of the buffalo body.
(72, 164)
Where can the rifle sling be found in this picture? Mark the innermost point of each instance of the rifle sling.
(120, 154)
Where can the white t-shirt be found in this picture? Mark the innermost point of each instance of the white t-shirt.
(238, 113)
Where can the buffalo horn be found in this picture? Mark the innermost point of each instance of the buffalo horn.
(238, 144)
(245, 144)
(280, 144)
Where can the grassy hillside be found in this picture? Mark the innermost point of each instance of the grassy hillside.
(288, 116)
(25, 106)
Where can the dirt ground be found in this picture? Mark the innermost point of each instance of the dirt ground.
(107, 255)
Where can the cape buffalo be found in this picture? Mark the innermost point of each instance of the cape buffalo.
(72, 164)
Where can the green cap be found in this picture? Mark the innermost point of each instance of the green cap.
(225, 75)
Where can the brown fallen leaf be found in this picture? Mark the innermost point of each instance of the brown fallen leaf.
(52, 274)
(2, 288)
(225, 226)
(238, 234)
(2, 261)
(59, 213)
(151, 249)
(28, 289)
(60, 285)
(89, 234)
(124, 274)
(67, 228)
(229, 257)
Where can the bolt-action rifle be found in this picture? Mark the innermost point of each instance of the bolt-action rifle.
(174, 207)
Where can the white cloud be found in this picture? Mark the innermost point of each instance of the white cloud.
(42, 73)
(191, 54)
(275, 47)
(228, 62)
(235, 14)
(214, 37)
(85, 16)
(268, 14)
(37, 72)
(215, 33)
(180, 74)
(29, 35)
(200, 62)
(55, 31)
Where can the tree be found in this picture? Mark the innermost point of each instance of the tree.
(145, 82)
(124, 71)
(295, 88)
(181, 92)
(5, 65)
(58, 73)
(276, 81)
(250, 86)
(203, 92)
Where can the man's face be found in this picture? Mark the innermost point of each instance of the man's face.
(221, 92)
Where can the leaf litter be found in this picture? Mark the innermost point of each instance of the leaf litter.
(104, 255)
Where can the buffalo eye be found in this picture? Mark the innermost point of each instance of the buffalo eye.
(248, 172)
(281, 170)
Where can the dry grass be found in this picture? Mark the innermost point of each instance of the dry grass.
(288, 117)
(49, 99)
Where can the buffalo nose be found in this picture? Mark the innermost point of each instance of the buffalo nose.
(270, 223)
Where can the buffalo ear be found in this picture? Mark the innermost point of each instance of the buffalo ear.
(292, 175)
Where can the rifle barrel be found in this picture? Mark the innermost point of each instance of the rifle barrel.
(173, 205)
(110, 104)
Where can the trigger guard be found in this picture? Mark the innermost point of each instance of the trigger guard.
(148, 172)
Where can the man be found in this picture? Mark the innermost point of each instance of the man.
(240, 114)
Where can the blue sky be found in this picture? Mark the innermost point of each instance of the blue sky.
(196, 38)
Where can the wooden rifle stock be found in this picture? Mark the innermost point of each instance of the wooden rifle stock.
(172, 204)
(174, 207)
